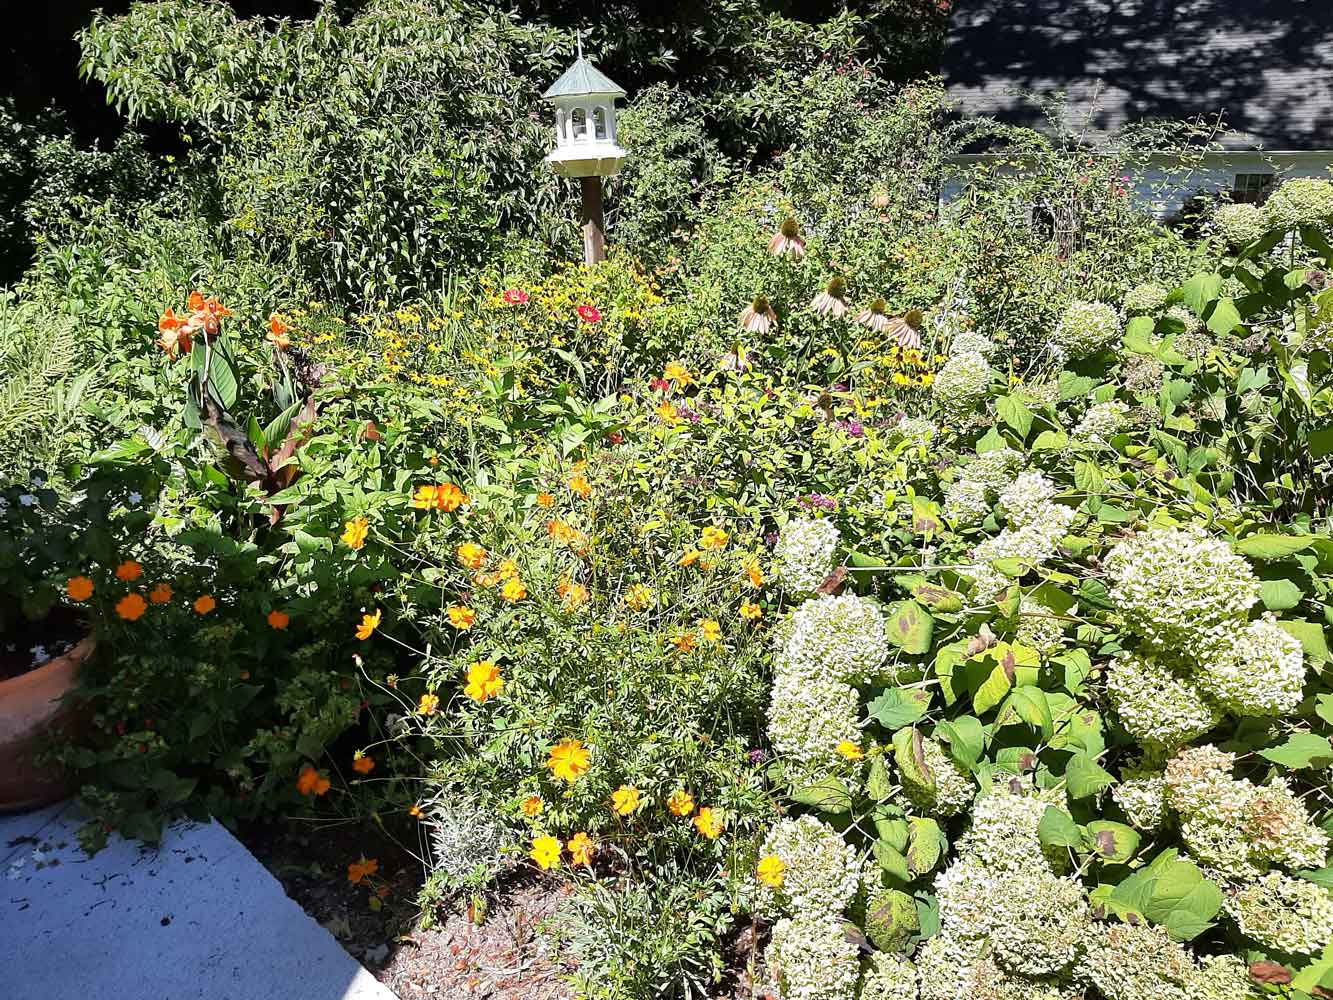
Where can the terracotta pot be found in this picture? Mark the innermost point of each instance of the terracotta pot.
(30, 712)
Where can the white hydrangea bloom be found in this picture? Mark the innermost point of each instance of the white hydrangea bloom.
(1156, 705)
(971, 342)
(803, 555)
(966, 502)
(1086, 328)
(1301, 201)
(1255, 670)
(1033, 544)
(807, 719)
(1025, 499)
(914, 430)
(1222, 977)
(1039, 629)
(1280, 830)
(964, 379)
(1101, 422)
(838, 638)
(1285, 913)
(1141, 793)
(1186, 318)
(1040, 923)
(822, 870)
(889, 978)
(1137, 962)
(1239, 225)
(1173, 586)
(1148, 297)
(957, 968)
(812, 959)
(1003, 835)
(1142, 373)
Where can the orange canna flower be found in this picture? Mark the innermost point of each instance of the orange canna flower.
(362, 764)
(79, 588)
(362, 869)
(461, 617)
(204, 604)
(174, 335)
(278, 619)
(131, 607)
(160, 594)
(129, 570)
(277, 332)
(311, 782)
(355, 532)
(368, 624)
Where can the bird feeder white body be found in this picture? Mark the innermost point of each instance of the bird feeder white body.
(585, 122)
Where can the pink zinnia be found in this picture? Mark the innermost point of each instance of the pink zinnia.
(515, 296)
(588, 314)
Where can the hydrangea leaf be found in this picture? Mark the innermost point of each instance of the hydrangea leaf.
(938, 598)
(1051, 441)
(1301, 750)
(966, 739)
(1310, 635)
(1027, 704)
(1170, 892)
(910, 627)
(1113, 842)
(894, 708)
(1058, 829)
(1077, 665)
(891, 828)
(828, 795)
(1266, 545)
(1225, 317)
(1319, 876)
(892, 920)
(1280, 595)
(1200, 290)
(1085, 777)
(909, 755)
(1015, 414)
(891, 860)
(879, 786)
(926, 846)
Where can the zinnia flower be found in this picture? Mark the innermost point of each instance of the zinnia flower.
(160, 594)
(278, 619)
(758, 316)
(131, 607)
(680, 803)
(709, 822)
(79, 588)
(580, 849)
(568, 759)
(546, 852)
(362, 764)
(429, 704)
(470, 555)
(771, 871)
(787, 240)
(204, 604)
(588, 314)
(515, 296)
(532, 806)
(483, 681)
(624, 800)
(311, 782)
(369, 622)
(355, 532)
(875, 316)
(461, 617)
(832, 301)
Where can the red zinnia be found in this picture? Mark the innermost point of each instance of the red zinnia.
(515, 296)
(588, 314)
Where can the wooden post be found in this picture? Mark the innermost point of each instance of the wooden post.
(594, 239)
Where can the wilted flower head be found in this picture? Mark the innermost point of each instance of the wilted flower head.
(832, 301)
(787, 240)
(758, 316)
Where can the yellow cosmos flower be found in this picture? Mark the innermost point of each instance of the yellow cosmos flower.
(355, 532)
(513, 590)
(470, 555)
(680, 803)
(532, 806)
(709, 822)
(461, 617)
(710, 630)
(573, 595)
(368, 624)
(771, 871)
(751, 612)
(684, 642)
(850, 751)
(483, 681)
(578, 484)
(690, 557)
(580, 849)
(667, 413)
(753, 574)
(568, 759)
(638, 597)
(712, 539)
(624, 800)
(678, 373)
(429, 704)
(546, 852)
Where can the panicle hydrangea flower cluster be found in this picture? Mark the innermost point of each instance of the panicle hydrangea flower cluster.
(962, 381)
(839, 638)
(808, 718)
(971, 342)
(1025, 499)
(950, 789)
(1255, 670)
(889, 978)
(1003, 835)
(917, 431)
(812, 959)
(1148, 297)
(1173, 586)
(968, 499)
(1285, 913)
(1086, 328)
(1137, 962)
(1141, 793)
(1101, 422)
(1239, 225)
(1157, 704)
(803, 555)
(822, 871)
(1301, 201)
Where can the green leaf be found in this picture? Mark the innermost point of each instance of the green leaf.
(898, 707)
(1058, 829)
(1324, 708)
(1088, 477)
(891, 860)
(938, 598)
(992, 690)
(1113, 842)
(966, 739)
(1200, 290)
(1319, 876)
(910, 627)
(1015, 414)
(1085, 777)
(1268, 546)
(1077, 665)
(992, 440)
(1301, 750)
(879, 785)
(1051, 441)
(1310, 635)
(828, 795)
(1074, 386)
(1029, 705)
(927, 844)
(1224, 317)
(1280, 595)
(1172, 893)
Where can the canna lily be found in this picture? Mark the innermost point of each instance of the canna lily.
(277, 332)
(173, 335)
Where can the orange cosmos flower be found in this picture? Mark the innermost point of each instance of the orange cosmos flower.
(204, 604)
(362, 764)
(416, 811)
(709, 822)
(79, 588)
(532, 806)
(578, 484)
(513, 590)
(710, 629)
(771, 871)
(483, 681)
(160, 594)
(568, 759)
(580, 849)
(572, 594)
(359, 870)
(429, 704)
(751, 612)
(470, 555)
(278, 619)
(545, 500)
(355, 532)
(684, 642)
(368, 624)
(129, 570)
(624, 800)
(753, 574)
(311, 782)
(460, 617)
(638, 597)
(131, 607)
(690, 557)
(446, 497)
(711, 539)
(680, 803)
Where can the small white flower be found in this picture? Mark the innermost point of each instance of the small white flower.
(135, 498)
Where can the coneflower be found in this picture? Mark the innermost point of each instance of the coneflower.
(758, 316)
(787, 240)
(735, 360)
(906, 329)
(832, 301)
(875, 316)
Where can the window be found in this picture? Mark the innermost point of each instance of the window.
(1251, 188)
(599, 124)
(579, 125)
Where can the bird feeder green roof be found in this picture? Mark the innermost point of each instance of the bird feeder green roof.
(582, 78)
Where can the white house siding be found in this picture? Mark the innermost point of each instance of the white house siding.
(1164, 186)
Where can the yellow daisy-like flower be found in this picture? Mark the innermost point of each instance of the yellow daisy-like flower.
(771, 871)
(667, 413)
(532, 806)
(483, 681)
(638, 597)
(461, 617)
(678, 373)
(680, 803)
(624, 800)
(751, 612)
(710, 629)
(709, 822)
(684, 642)
(578, 484)
(568, 760)
(429, 704)
(690, 557)
(850, 751)
(580, 849)
(513, 590)
(368, 624)
(355, 532)
(546, 852)
(470, 555)
(712, 539)
(572, 594)
(753, 574)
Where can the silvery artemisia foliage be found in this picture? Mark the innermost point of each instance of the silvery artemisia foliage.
(803, 555)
